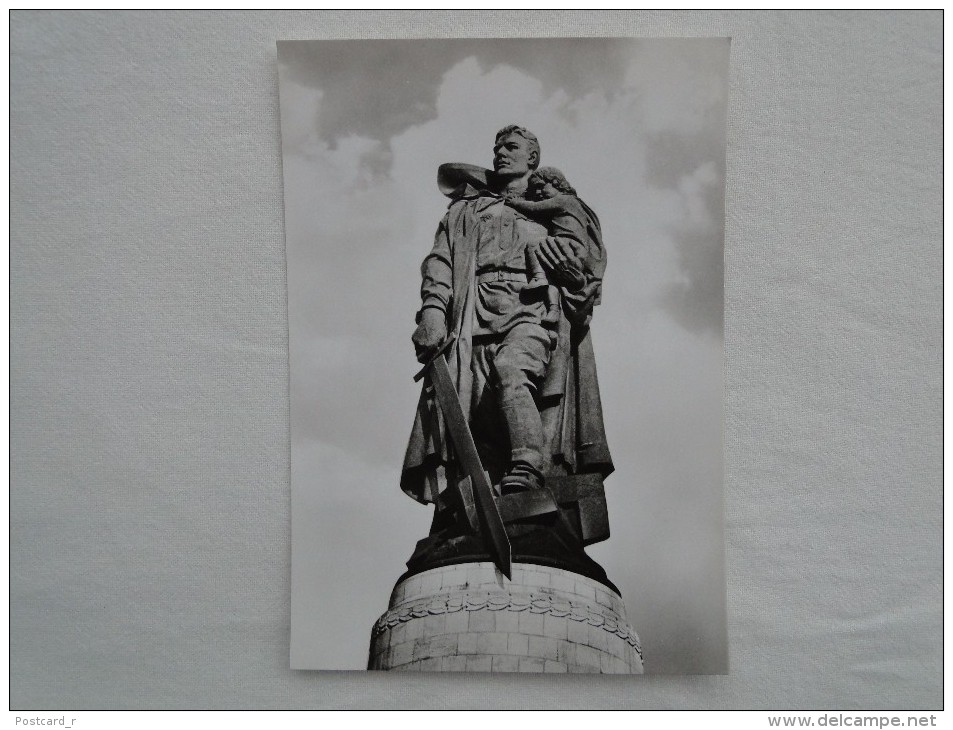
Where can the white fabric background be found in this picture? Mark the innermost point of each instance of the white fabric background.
(149, 371)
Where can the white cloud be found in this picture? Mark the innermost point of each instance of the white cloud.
(299, 114)
(678, 83)
(694, 192)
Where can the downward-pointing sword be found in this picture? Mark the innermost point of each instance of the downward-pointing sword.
(495, 534)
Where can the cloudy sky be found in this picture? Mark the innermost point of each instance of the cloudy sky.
(638, 127)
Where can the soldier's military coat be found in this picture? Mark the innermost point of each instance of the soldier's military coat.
(478, 236)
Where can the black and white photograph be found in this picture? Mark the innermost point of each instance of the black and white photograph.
(505, 297)
(468, 359)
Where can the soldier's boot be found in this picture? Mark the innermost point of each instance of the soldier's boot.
(521, 477)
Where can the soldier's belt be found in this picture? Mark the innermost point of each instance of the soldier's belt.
(501, 275)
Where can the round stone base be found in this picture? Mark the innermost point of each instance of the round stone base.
(469, 618)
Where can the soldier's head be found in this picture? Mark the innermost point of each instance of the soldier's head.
(515, 152)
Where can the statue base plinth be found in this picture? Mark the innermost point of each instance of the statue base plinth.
(468, 617)
(554, 536)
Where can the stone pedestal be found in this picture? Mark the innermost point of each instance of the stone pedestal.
(468, 617)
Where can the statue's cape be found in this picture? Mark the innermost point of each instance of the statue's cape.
(570, 403)
(569, 399)
(459, 180)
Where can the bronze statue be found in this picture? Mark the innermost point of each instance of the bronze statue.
(521, 362)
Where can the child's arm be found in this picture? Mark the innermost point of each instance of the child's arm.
(548, 207)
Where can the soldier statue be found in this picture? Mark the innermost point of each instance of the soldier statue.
(520, 359)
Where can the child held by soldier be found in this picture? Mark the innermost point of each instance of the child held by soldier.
(552, 201)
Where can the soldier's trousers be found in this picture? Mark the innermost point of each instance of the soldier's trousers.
(506, 373)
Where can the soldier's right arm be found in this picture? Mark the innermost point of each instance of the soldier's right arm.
(436, 290)
(436, 271)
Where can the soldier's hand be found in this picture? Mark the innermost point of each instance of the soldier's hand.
(562, 261)
(430, 333)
